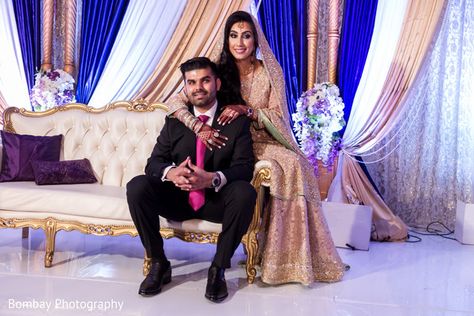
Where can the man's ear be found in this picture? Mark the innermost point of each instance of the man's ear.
(184, 89)
(218, 84)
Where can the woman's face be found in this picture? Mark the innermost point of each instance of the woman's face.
(241, 41)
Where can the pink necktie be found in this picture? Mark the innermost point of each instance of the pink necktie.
(196, 197)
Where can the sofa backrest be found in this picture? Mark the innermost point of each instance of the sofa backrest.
(117, 139)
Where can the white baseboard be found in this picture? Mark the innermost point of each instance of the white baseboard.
(464, 227)
(350, 224)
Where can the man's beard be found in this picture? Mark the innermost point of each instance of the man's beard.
(205, 100)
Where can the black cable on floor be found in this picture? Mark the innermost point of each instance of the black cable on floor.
(417, 239)
(435, 232)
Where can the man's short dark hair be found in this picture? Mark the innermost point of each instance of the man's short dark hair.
(198, 63)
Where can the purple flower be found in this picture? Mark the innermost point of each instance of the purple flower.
(52, 75)
(68, 94)
(323, 104)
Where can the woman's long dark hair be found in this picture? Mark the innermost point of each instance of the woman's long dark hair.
(229, 73)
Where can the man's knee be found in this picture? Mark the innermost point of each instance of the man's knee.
(137, 187)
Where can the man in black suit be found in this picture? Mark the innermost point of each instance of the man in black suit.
(173, 178)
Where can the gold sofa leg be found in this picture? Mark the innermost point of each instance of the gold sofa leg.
(50, 231)
(251, 246)
(250, 240)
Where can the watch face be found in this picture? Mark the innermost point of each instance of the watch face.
(216, 181)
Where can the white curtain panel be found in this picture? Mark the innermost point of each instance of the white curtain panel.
(388, 25)
(143, 36)
(12, 74)
(432, 164)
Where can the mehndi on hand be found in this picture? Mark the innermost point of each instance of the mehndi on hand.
(231, 112)
(211, 137)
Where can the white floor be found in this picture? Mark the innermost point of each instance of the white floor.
(100, 276)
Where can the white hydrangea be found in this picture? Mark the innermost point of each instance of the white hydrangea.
(52, 88)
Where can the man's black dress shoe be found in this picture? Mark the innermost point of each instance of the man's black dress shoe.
(160, 273)
(216, 289)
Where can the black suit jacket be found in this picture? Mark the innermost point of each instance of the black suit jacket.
(176, 142)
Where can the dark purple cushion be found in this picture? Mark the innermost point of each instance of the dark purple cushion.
(63, 172)
(20, 150)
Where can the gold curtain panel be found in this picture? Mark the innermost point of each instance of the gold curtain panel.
(196, 35)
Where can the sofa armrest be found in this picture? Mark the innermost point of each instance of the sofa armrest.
(261, 182)
(261, 174)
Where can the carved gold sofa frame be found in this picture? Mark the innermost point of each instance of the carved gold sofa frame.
(52, 224)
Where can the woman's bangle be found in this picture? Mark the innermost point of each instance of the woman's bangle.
(189, 120)
(249, 112)
(197, 126)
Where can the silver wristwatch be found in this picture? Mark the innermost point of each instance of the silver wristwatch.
(216, 180)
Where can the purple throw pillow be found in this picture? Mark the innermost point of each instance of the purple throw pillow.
(63, 172)
(20, 150)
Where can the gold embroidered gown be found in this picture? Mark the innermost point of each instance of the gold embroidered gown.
(297, 246)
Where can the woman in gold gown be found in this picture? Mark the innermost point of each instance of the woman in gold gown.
(297, 245)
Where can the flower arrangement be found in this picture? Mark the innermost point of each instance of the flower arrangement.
(52, 88)
(318, 119)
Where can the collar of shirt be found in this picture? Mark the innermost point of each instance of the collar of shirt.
(211, 113)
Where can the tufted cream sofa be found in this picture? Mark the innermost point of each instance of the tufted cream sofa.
(117, 139)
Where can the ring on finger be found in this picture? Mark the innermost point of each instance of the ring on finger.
(210, 141)
(216, 134)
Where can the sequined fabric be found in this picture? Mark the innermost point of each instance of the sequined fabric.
(297, 243)
(428, 157)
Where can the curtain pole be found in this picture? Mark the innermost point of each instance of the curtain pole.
(312, 38)
(48, 10)
(70, 32)
(333, 38)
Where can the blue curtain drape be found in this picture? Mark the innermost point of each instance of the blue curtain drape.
(28, 19)
(357, 29)
(284, 25)
(100, 26)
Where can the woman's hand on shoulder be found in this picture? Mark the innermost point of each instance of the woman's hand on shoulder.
(231, 112)
(212, 138)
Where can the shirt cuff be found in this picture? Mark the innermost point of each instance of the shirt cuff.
(223, 181)
(165, 172)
